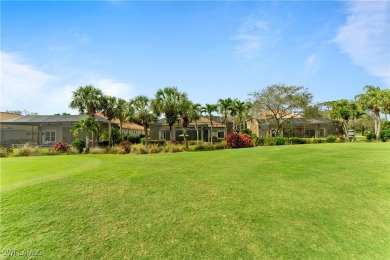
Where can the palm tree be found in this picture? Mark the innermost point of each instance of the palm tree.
(109, 110)
(89, 126)
(224, 106)
(166, 102)
(184, 109)
(194, 114)
(88, 100)
(209, 109)
(143, 113)
(240, 108)
(374, 101)
(345, 110)
(121, 112)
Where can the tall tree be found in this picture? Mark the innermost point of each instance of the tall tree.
(281, 102)
(194, 114)
(143, 113)
(167, 102)
(209, 109)
(241, 108)
(374, 101)
(121, 112)
(344, 111)
(224, 106)
(184, 110)
(89, 125)
(88, 100)
(109, 110)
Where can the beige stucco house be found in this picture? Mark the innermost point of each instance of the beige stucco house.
(43, 130)
(160, 130)
(292, 127)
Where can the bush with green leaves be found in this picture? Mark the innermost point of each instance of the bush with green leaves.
(370, 136)
(79, 145)
(5, 151)
(281, 140)
(331, 138)
(384, 135)
(297, 140)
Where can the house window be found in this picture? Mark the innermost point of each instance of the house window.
(310, 133)
(322, 132)
(49, 136)
(221, 134)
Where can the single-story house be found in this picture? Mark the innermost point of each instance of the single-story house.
(40, 129)
(160, 130)
(292, 127)
(130, 129)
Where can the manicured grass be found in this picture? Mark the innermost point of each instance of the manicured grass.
(304, 201)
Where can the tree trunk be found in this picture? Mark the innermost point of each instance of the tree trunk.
(170, 133)
(185, 137)
(146, 135)
(109, 134)
(225, 125)
(211, 134)
(378, 125)
(197, 133)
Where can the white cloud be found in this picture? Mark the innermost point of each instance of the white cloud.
(112, 88)
(21, 84)
(311, 64)
(24, 87)
(252, 35)
(365, 37)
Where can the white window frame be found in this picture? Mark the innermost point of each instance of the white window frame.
(45, 135)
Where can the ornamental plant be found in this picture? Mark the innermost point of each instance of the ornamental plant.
(125, 146)
(60, 147)
(246, 141)
(233, 140)
(79, 145)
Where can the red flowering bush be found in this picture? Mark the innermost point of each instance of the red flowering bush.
(60, 147)
(233, 140)
(246, 141)
(125, 146)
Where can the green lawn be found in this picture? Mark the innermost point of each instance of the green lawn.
(305, 201)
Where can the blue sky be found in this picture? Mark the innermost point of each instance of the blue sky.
(208, 49)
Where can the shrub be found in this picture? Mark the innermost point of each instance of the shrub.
(139, 149)
(233, 140)
(221, 145)
(331, 139)
(269, 141)
(97, 150)
(259, 141)
(297, 140)
(5, 151)
(61, 147)
(246, 141)
(280, 140)
(125, 146)
(114, 150)
(79, 145)
(384, 135)
(154, 149)
(28, 150)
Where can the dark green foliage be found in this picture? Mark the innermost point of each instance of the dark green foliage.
(297, 140)
(79, 145)
(281, 140)
(370, 136)
(385, 135)
(331, 138)
(5, 151)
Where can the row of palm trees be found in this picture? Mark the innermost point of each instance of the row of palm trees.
(375, 100)
(169, 101)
